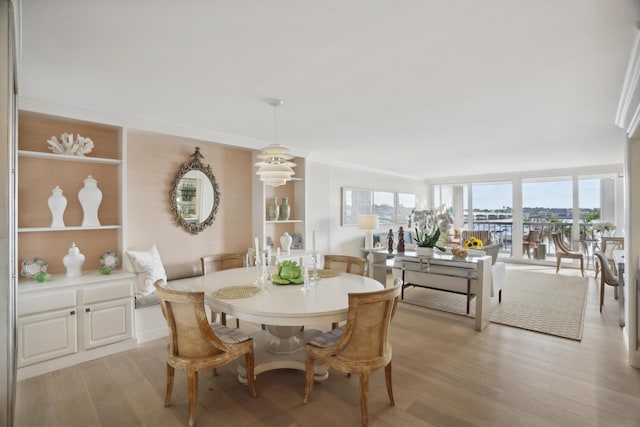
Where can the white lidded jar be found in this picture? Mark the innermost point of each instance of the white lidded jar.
(285, 242)
(73, 261)
(90, 197)
(57, 204)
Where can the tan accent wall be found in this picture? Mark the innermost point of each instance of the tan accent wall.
(153, 161)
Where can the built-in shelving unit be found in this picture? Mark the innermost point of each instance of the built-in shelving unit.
(69, 320)
(294, 191)
(40, 171)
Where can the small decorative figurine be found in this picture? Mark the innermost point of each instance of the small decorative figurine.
(400, 240)
(390, 240)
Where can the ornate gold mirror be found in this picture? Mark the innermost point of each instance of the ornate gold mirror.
(194, 195)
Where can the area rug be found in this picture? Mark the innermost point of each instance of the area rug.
(547, 303)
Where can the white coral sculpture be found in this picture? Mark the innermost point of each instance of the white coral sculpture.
(79, 147)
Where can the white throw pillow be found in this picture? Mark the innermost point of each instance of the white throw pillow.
(148, 268)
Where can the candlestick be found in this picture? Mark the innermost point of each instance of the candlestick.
(313, 234)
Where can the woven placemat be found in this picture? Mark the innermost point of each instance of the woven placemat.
(324, 274)
(236, 291)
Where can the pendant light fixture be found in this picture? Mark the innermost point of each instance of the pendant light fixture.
(275, 169)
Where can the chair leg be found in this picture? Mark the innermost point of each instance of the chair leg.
(364, 393)
(601, 293)
(308, 364)
(387, 377)
(223, 319)
(334, 325)
(170, 375)
(582, 266)
(558, 259)
(249, 362)
(500, 296)
(193, 396)
(237, 323)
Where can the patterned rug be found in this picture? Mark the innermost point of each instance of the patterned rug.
(547, 303)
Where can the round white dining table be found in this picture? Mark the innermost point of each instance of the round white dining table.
(284, 309)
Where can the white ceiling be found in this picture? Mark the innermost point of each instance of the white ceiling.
(422, 88)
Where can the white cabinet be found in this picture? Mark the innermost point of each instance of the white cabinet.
(47, 335)
(71, 320)
(107, 314)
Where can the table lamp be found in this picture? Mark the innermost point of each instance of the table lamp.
(368, 223)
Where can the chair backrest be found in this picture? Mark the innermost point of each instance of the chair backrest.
(191, 335)
(483, 235)
(609, 244)
(605, 271)
(366, 335)
(211, 263)
(346, 263)
(560, 246)
(534, 235)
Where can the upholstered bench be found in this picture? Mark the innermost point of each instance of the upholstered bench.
(174, 272)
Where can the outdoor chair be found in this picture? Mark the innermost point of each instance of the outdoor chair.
(562, 251)
(531, 241)
(361, 345)
(196, 345)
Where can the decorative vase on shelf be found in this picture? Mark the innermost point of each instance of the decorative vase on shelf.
(73, 261)
(285, 209)
(422, 251)
(90, 197)
(57, 204)
(285, 242)
(273, 209)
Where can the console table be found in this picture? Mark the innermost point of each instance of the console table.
(470, 276)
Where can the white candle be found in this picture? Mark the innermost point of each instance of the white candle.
(313, 234)
(257, 247)
(278, 255)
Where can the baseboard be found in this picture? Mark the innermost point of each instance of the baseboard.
(74, 359)
(150, 323)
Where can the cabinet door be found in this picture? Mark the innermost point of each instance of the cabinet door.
(46, 336)
(107, 323)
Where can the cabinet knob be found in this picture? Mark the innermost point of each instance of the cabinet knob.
(72, 312)
(86, 310)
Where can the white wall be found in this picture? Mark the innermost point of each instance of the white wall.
(324, 203)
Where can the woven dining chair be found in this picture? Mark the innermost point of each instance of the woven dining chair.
(361, 346)
(196, 345)
(219, 262)
(346, 264)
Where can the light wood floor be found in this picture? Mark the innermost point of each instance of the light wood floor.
(444, 374)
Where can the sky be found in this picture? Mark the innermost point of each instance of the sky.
(555, 194)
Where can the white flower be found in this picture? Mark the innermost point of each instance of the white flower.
(603, 226)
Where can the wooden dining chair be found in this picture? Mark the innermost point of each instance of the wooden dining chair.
(346, 264)
(219, 262)
(562, 251)
(196, 345)
(361, 346)
(607, 246)
(606, 276)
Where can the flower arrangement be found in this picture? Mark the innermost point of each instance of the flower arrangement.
(473, 243)
(427, 240)
(603, 226)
